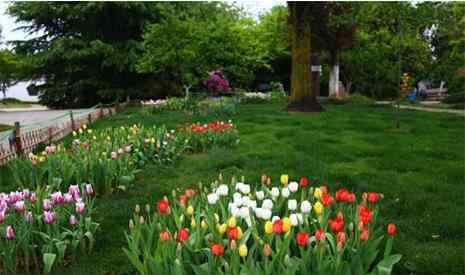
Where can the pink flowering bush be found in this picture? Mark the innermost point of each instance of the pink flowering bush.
(43, 228)
(216, 82)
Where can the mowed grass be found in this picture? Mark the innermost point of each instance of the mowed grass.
(419, 168)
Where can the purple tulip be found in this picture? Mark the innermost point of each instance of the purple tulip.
(3, 205)
(72, 220)
(2, 215)
(67, 198)
(46, 204)
(10, 232)
(33, 197)
(80, 207)
(20, 206)
(26, 194)
(28, 216)
(89, 190)
(74, 191)
(57, 197)
(49, 217)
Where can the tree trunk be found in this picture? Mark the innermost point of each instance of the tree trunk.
(302, 97)
(334, 76)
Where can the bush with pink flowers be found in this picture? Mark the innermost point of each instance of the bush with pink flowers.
(44, 228)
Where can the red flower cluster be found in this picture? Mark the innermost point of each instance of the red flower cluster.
(188, 193)
(364, 214)
(326, 199)
(319, 234)
(217, 126)
(337, 224)
(344, 195)
(233, 233)
(278, 226)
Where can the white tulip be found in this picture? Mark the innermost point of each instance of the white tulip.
(292, 204)
(275, 218)
(266, 214)
(252, 204)
(294, 219)
(245, 200)
(222, 190)
(212, 198)
(300, 217)
(260, 195)
(244, 212)
(267, 204)
(239, 185)
(238, 201)
(234, 211)
(305, 207)
(285, 192)
(275, 192)
(293, 186)
(259, 212)
(245, 189)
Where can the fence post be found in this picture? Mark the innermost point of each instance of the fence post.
(50, 137)
(89, 118)
(72, 120)
(17, 138)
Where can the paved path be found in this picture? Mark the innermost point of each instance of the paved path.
(425, 109)
(30, 117)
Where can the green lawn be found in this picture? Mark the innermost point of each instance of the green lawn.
(419, 168)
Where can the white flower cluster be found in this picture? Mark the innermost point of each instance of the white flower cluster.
(264, 96)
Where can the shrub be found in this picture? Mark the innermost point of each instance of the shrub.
(291, 228)
(216, 82)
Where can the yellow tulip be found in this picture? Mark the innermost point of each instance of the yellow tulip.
(317, 193)
(286, 224)
(243, 250)
(84, 126)
(222, 228)
(204, 225)
(268, 227)
(239, 232)
(232, 222)
(193, 223)
(190, 210)
(284, 179)
(74, 133)
(318, 208)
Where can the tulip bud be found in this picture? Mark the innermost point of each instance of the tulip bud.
(193, 223)
(204, 225)
(141, 220)
(131, 224)
(220, 177)
(351, 227)
(147, 208)
(263, 179)
(233, 180)
(137, 209)
(242, 179)
(268, 181)
(233, 245)
(266, 250)
(243, 251)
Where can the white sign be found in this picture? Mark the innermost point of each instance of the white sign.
(316, 68)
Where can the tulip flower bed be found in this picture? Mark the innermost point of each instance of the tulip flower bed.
(107, 158)
(41, 229)
(238, 228)
(217, 133)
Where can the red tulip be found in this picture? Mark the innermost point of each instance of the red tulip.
(233, 233)
(165, 235)
(364, 214)
(372, 197)
(341, 238)
(183, 199)
(337, 224)
(303, 181)
(217, 249)
(344, 195)
(364, 234)
(391, 229)
(278, 226)
(326, 199)
(320, 234)
(163, 206)
(324, 189)
(302, 238)
(189, 192)
(183, 234)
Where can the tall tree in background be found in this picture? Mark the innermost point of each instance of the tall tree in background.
(300, 21)
(84, 52)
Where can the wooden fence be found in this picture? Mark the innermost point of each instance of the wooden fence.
(24, 140)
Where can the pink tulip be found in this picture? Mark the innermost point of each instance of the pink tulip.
(72, 220)
(49, 217)
(74, 191)
(10, 232)
(3, 205)
(46, 204)
(80, 207)
(20, 206)
(67, 198)
(28, 217)
(89, 190)
(57, 198)
(2, 215)
(26, 193)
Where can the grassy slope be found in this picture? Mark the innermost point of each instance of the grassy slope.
(419, 168)
(4, 127)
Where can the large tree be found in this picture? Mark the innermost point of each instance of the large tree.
(84, 52)
(301, 15)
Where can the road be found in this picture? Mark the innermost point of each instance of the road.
(31, 116)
